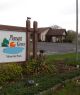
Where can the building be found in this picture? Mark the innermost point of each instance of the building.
(42, 33)
(51, 35)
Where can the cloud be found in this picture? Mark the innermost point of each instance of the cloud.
(6, 5)
(46, 12)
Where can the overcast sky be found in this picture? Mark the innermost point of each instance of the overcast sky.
(46, 12)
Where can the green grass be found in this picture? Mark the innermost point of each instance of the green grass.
(68, 58)
(70, 88)
(45, 82)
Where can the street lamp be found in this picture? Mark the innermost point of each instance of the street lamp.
(76, 30)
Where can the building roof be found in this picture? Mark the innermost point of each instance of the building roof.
(56, 32)
(40, 30)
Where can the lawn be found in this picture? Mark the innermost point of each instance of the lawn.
(44, 82)
(68, 58)
(70, 88)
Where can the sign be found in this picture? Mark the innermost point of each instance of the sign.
(12, 46)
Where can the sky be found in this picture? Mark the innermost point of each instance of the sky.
(46, 12)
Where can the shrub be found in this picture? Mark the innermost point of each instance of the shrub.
(38, 66)
(9, 72)
(28, 68)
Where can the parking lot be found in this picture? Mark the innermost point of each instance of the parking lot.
(52, 48)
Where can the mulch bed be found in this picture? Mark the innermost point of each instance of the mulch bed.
(62, 67)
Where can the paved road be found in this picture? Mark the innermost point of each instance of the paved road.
(51, 48)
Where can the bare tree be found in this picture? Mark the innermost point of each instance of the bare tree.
(56, 27)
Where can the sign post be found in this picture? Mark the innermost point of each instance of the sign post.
(35, 29)
(28, 38)
(15, 42)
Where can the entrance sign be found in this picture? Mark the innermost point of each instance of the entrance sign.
(12, 46)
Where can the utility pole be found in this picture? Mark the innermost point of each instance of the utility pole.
(76, 30)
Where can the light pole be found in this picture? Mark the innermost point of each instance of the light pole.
(76, 30)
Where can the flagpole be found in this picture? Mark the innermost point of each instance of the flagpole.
(76, 30)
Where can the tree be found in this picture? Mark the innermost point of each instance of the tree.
(79, 39)
(71, 35)
(56, 27)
